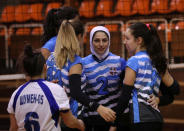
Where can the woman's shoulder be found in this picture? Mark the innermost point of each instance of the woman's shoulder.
(54, 87)
(50, 44)
(51, 84)
(132, 59)
(87, 57)
(77, 60)
(77, 57)
(114, 56)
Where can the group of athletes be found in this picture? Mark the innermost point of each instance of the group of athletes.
(100, 92)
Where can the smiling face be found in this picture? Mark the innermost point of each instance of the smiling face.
(100, 42)
(131, 43)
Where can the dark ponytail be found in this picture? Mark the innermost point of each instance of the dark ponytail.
(51, 25)
(155, 51)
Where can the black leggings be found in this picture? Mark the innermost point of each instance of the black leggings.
(123, 128)
(99, 125)
(147, 126)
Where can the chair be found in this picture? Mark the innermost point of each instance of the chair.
(37, 31)
(124, 8)
(23, 31)
(36, 11)
(22, 13)
(90, 27)
(87, 9)
(173, 5)
(180, 5)
(160, 6)
(154, 6)
(8, 14)
(52, 5)
(179, 25)
(104, 8)
(113, 27)
(142, 7)
(161, 26)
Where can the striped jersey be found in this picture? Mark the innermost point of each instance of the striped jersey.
(55, 73)
(103, 79)
(36, 105)
(147, 82)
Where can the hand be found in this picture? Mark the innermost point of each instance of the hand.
(82, 126)
(154, 101)
(106, 113)
(112, 128)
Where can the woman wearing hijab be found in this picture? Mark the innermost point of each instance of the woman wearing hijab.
(103, 71)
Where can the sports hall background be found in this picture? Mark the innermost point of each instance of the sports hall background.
(21, 21)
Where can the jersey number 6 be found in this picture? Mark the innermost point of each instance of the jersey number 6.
(31, 122)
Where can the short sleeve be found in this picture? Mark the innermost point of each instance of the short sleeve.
(50, 44)
(60, 96)
(10, 104)
(133, 64)
(78, 60)
(64, 101)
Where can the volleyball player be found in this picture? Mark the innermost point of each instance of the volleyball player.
(65, 61)
(103, 71)
(38, 104)
(145, 70)
(52, 24)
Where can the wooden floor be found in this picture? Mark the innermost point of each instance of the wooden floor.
(173, 114)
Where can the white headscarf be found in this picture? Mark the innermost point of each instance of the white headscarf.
(95, 29)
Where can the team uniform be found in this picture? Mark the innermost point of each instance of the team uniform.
(54, 73)
(103, 78)
(147, 82)
(50, 44)
(36, 105)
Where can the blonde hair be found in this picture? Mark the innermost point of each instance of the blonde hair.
(67, 44)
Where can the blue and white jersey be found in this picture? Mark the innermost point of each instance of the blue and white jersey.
(55, 73)
(50, 44)
(147, 82)
(103, 79)
(36, 105)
